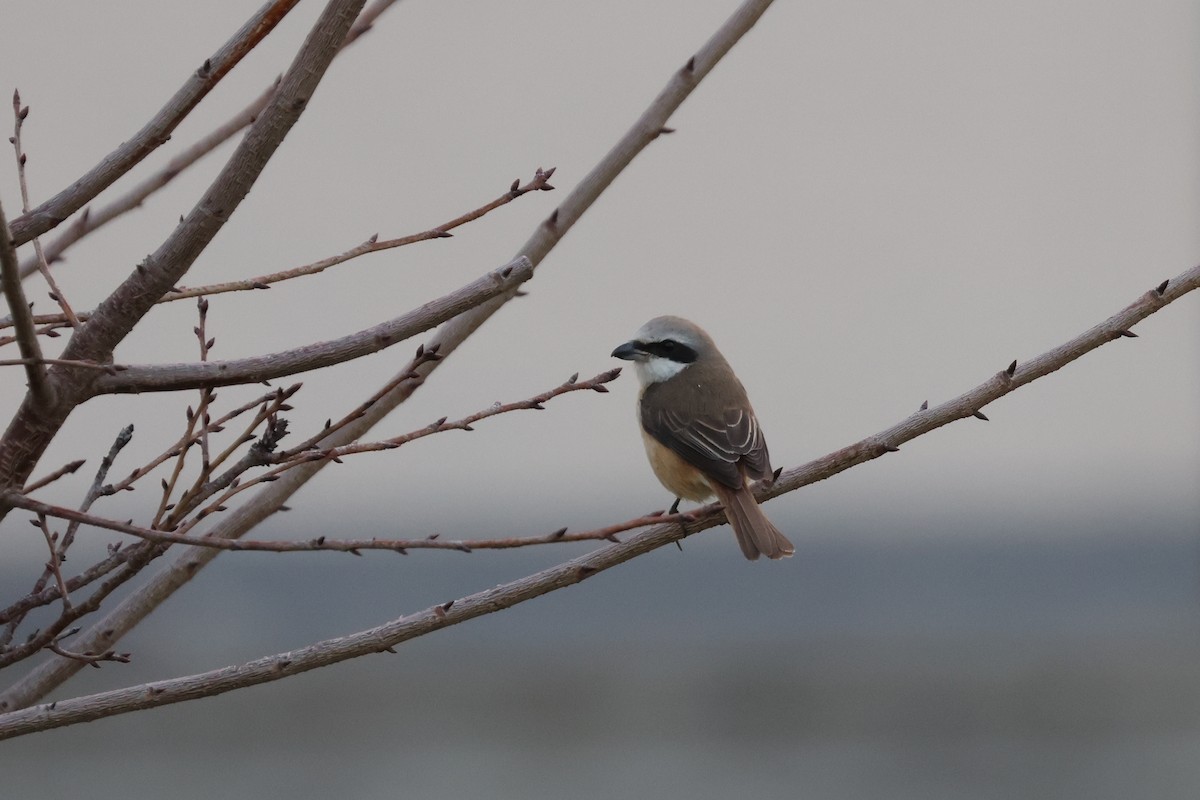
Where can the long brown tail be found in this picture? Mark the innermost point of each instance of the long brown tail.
(755, 533)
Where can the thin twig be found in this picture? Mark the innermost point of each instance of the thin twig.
(52, 632)
(31, 350)
(174, 377)
(354, 546)
(190, 435)
(540, 182)
(259, 455)
(66, 469)
(423, 354)
(111, 369)
(91, 659)
(39, 257)
(39, 595)
(90, 220)
(298, 457)
(54, 564)
(157, 131)
(189, 439)
(371, 245)
(34, 425)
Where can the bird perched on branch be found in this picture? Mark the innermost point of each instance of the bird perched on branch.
(700, 432)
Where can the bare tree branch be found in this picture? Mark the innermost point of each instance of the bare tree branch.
(90, 221)
(31, 350)
(66, 469)
(389, 635)
(173, 377)
(354, 546)
(91, 659)
(130, 611)
(40, 595)
(968, 405)
(161, 534)
(39, 257)
(539, 182)
(35, 424)
(157, 131)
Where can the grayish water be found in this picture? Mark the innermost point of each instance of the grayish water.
(1060, 668)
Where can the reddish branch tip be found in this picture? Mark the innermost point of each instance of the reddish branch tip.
(691, 65)
(1012, 368)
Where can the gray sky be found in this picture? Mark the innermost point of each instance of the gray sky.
(868, 206)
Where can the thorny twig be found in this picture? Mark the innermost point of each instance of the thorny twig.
(355, 546)
(190, 436)
(296, 457)
(539, 182)
(19, 114)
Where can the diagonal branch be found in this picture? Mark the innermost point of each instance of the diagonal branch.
(539, 182)
(90, 221)
(157, 131)
(31, 350)
(173, 377)
(968, 404)
(387, 636)
(146, 598)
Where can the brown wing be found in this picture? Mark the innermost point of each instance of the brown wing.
(720, 444)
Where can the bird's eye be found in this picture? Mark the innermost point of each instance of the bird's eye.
(668, 345)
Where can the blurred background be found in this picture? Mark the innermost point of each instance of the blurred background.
(868, 205)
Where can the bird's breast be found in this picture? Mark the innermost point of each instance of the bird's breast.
(679, 477)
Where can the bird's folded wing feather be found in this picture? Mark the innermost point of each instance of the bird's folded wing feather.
(719, 445)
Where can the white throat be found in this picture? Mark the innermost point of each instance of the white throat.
(657, 369)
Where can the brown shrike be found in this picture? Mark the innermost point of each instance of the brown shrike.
(700, 432)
